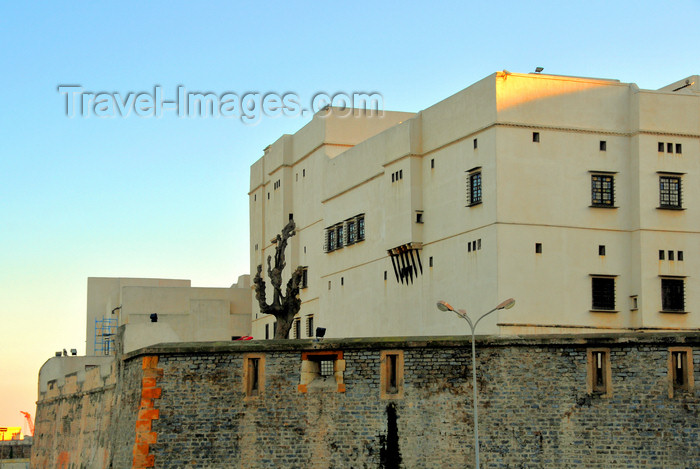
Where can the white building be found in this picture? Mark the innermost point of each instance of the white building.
(579, 197)
(183, 313)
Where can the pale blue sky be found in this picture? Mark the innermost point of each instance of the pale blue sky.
(167, 197)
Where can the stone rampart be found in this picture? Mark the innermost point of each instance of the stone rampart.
(391, 403)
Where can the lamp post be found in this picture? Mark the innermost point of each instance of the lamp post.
(445, 306)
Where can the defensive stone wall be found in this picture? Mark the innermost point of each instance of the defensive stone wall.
(594, 402)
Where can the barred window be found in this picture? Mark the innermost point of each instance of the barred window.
(339, 237)
(331, 240)
(361, 228)
(310, 325)
(602, 190)
(670, 192)
(352, 232)
(673, 294)
(474, 189)
(603, 293)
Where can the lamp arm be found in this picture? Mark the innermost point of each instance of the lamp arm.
(483, 316)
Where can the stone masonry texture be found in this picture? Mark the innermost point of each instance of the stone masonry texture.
(534, 408)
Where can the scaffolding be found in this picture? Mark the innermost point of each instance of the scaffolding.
(105, 330)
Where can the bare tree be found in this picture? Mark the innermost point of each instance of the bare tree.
(283, 307)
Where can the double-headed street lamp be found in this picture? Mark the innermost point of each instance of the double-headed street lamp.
(445, 306)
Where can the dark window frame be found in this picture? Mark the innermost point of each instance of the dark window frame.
(603, 190)
(673, 295)
(603, 293)
(670, 191)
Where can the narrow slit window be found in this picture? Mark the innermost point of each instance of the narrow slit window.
(599, 373)
(680, 370)
(603, 145)
(662, 255)
(669, 148)
(253, 380)
(391, 378)
(538, 248)
(476, 144)
(535, 137)
(680, 255)
(432, 163)
(679, 148)
(430, 261)
(661, 147)
(670, 255)
(601, 250)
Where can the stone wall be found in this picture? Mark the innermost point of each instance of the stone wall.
(535, 410)
(191, 406)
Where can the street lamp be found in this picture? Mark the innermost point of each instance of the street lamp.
(445, 306)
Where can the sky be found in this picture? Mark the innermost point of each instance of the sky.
(120, 190)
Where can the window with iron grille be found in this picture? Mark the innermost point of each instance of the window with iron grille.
(331, 240)
(352, 231)
(339, 236)
(360, 227)
(673, 294)
(602, 190)
(670, 192)
(322, 370)
(474, 182)
(603, 293)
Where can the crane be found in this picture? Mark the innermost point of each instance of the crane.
(30, 424)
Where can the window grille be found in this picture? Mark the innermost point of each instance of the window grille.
(670, 191)
(603, 293)
(673, 294)
(602, 190)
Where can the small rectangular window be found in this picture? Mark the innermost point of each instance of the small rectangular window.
(662, 254)
(391, 374)
(661, 147)
(342, 280)
(253, 374)
(603, 145)
(679, 148)
(469, 246)
(419, 217)
(601, 250)
(385, 275)
(476, 144)
(603, 293)
(538, 248)
(400, 173)
(478, 244)
(680, 370)
(599, 373)
(432, 163)
(680, 255)
(267, 331)
(535, 136)
(670, 255)
(635, 302)
(329, 284)
(303, 173)
(360, 228)
(393, 177)
(669, 148)
(430, 261)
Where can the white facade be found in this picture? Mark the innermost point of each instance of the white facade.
(184, 313)
(562, 192)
